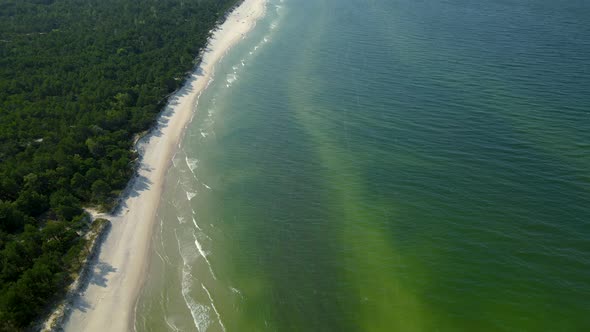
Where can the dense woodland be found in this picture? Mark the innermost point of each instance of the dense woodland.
(78, 80)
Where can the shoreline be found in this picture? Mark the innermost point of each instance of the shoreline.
(117, 274)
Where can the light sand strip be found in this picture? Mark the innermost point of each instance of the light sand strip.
(108, 304)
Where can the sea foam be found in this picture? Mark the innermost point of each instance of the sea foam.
(214, 308)
(203, 254)
(190, 195)
(192, 164)
(199, 312)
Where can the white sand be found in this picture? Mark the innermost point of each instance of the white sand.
(108, 304)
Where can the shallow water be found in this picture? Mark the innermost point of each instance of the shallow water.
(385, 166)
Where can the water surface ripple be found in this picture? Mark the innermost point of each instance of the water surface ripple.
(385, 166)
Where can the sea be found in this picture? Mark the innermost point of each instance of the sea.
(384, 165)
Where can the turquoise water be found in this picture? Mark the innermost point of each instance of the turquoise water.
(385, 166)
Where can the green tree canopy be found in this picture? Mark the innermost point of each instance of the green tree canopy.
(78, 80)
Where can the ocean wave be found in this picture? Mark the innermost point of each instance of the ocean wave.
(190, 195)
(165, 259)
(236, 291)
(214, 308)
(200, 229)
(199, 312)
(203, 254)
(231, 78)
(192, 163)
(195, 223)
(171, 324)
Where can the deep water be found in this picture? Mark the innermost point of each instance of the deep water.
(392, 165)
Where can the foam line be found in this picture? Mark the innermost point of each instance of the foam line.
(198, 311)
(214, 308)
(202, 252)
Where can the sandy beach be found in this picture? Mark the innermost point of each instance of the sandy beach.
(108, 302)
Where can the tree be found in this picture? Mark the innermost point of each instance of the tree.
(95, 147)
(67, 120)
(57, 237)
(11, 219)
(65, 205)
(100, 190)
(32, 203)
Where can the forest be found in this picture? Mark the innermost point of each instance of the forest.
(79, 80)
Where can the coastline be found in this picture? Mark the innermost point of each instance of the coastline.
(117, 274)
